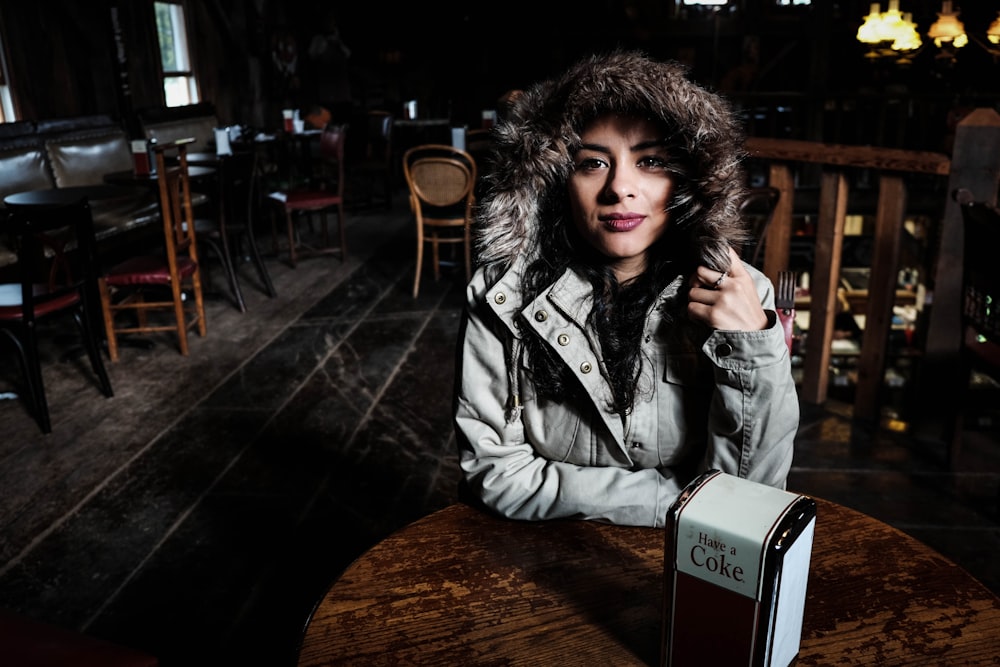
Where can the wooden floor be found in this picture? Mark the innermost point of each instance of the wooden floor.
(201, 512)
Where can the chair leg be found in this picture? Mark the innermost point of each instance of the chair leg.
(222, 251)
(93, 346)
(258, 263)
(199, 302)
(234, 281)
(36, 387)
(109, 319)
(420, 263)
(181, 319)
(291, 238)
(436, 257)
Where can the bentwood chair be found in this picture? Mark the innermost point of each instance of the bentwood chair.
(323, 194)
(160, 283)
(57, 264)
(233, 222)
(441, 180)
(980, 316)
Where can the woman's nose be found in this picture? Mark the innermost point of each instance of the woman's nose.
(620, 184)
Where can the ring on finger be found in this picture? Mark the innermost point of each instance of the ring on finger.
(722, 277)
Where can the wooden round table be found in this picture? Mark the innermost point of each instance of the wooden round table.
(461, 587)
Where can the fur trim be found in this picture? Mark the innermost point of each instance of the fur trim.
(535, 142)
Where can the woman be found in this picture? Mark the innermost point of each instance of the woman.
(614, 345)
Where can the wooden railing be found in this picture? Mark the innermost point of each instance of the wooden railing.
(974, 165)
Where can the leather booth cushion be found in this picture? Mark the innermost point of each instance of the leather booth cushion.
(83, 160)
(23, 169)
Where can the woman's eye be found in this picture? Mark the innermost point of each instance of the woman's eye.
(590, 164)
(653, 162)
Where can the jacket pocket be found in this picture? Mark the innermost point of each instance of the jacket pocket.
(687, 370)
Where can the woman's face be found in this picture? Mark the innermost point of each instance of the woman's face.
(620, 188)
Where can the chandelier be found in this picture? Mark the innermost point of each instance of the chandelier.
(893, 33)
(890, 33)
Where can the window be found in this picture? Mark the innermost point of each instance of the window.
(7, 114)
(180, 87)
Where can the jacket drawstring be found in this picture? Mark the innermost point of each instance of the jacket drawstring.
(514, 381)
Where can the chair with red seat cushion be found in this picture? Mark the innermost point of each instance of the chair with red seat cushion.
(145, 284)
(57, 264)
(324, 193)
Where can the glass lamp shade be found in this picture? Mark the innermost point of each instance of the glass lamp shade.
(993, 32)
(948, 29)
(906, 37)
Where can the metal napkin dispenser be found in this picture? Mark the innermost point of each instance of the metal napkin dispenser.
(736, 565)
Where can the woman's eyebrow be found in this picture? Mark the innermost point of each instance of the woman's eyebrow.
(641, 146)
(595, 147)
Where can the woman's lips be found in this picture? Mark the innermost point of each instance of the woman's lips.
(622, 223)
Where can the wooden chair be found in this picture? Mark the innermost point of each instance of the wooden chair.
(980, 314)
(325, 193)
(147, 283)
(441, 180)
(57, 264)
(233, 221)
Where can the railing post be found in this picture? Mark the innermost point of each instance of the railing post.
(975, 165)
(825, 277)
(889, 220)
(779, 233)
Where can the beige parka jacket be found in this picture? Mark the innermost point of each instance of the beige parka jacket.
(706, 399)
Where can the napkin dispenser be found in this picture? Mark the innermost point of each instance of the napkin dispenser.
(736, 565)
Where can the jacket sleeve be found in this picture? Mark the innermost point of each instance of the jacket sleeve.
(502, 470)
(754, 414)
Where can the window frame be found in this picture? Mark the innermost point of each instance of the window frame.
(179, 84)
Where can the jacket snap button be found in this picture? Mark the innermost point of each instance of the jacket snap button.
(563, 339)
(585, 367)
(500, 298)
(723, 349)
(541, 316)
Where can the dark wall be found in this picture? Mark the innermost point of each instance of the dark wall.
(456, 58)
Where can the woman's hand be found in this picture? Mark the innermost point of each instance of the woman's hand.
(726, 301)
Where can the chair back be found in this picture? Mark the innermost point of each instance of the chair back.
(440, 181)
(330, 174)
(440, 176)
(175, 202)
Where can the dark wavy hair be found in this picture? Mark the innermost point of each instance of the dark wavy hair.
(619, 310)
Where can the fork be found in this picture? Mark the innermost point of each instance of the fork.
(784, 303)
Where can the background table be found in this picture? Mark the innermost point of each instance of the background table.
(461, 587)
(129, 177)
(62, 196)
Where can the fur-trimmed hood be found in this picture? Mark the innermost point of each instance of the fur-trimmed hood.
(535, 141)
